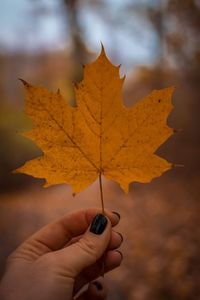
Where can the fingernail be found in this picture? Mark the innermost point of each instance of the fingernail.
(117, 214)
(98, 285)
(98, 224)
(121, 236)
(120, 253)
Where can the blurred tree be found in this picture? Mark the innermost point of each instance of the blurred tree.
(79, 50)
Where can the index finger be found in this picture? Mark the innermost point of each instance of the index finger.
(55, 235)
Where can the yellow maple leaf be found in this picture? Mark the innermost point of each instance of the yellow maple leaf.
(100, 136)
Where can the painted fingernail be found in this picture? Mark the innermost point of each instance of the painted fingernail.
(98, 285)
(120, 253)
(117, 214)
(98, 224)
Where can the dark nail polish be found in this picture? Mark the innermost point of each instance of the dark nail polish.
(98, 285)
(120, 253)
(98, 224)
(117, 214)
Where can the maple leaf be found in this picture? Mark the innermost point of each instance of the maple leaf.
(100, 136)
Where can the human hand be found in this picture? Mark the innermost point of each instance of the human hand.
(57, 261)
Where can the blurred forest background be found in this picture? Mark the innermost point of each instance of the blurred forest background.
(158, 44)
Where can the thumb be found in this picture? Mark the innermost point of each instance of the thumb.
(88, 249)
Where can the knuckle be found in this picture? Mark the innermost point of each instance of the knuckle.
(13, 257)
(89, 247)
(46, 262)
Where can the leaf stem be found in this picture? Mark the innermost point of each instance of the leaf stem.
(101, 193)
(103, 212)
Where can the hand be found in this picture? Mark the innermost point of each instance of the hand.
(57, 261)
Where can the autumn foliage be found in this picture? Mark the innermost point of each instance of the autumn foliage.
(100, 136)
